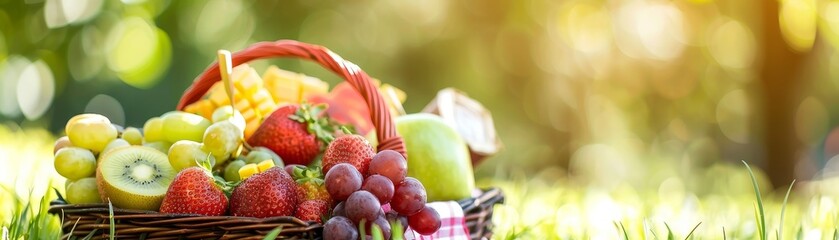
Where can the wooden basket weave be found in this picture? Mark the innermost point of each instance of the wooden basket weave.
(81, 220)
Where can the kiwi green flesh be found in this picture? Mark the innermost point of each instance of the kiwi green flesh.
(135, 177)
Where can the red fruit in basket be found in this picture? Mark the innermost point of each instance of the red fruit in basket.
(340, 228)
(195, 191)
(379, 186)
(363, 205)
(350, 148)
(294, 132)
(346, 106)
(267, 194)
(311, 184)
(312, 210)
(390, 164)
(409, 197)
(342, 180)
(339, 210)
(426, 221)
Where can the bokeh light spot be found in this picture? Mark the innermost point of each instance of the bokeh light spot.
(733, 113)
(811, 120)
(35, 89)
(732, 45)
(138, 52)
(107, 106)
(10, 70)
(798, 23)
(84, 54)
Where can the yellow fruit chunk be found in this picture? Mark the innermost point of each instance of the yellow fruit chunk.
(293, 87)
(251, 127)
(249, 115)
(248, 170)
(246, 79)
(266, 108)
(261, 96)
(265, 165)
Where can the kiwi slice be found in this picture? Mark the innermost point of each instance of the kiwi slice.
(134, 177)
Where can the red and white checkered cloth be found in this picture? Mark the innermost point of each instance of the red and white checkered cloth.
(452, 227)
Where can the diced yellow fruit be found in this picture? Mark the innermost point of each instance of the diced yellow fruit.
(217, 95)
(266, 108)
(387, 89)
(261, 96)
(282, 84)
(242, 105)
(311, 85)
(265, 165)
(208, 108)
(248, 170)
(246, 79)
(249, 115)
(192, 108)
(251, 127)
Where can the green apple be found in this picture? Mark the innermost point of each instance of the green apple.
(437, 156)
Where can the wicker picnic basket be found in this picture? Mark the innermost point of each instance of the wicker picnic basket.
(80, 220)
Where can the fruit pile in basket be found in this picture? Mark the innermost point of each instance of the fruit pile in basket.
(268, 146)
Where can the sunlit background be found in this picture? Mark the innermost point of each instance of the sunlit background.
(632, 112)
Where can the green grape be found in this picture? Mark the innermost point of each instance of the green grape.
(222, 139)
(92, 133)
(259, 154)
(228, 113)
(83, 191)
(231, 172)
(186, 153)
(184, 126)
(115, 144)
(76, 118)
(75, 163)
(62, 142)
(133, 136)
(153, 130)
(162, 146)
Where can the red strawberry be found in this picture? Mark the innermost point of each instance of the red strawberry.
(312, 210)
(195, 191)
(310, 182)
(293, 131)
(350, 148)
(267, 194)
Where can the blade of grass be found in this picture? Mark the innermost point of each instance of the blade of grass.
(652, 230)
(724, 237)
(691, 231)
(761, 213)
(619, 227)
(669, 232)
(783, 209)
(376, 232)
(273, 233)
(111, 219)
(835, 234)
(361, 231)
(396, 230)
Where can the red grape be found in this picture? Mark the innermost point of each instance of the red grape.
(339, 228)
(379, 186)
(409, 197)
(426, 221)
(390, 164)
(339, 210)
(363, 205)
(342, 180)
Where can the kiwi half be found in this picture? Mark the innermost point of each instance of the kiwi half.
(134, 177)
